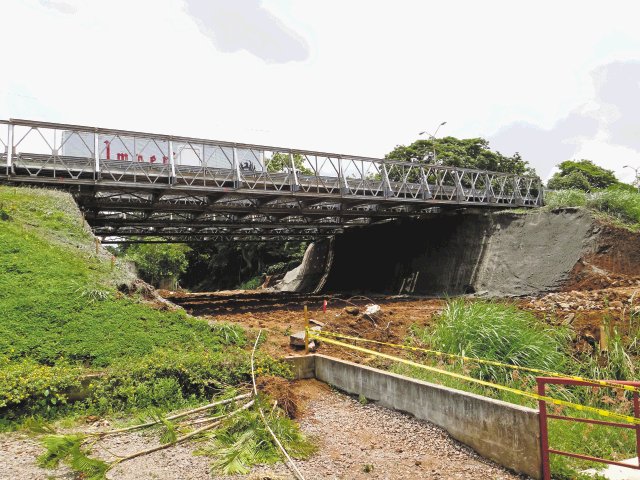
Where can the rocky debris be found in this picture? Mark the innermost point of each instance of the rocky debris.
(296, 340)
(352, 310)
(611, 299)
(373, 312)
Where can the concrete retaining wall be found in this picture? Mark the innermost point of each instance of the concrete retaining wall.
(505, 433)
(453, 254)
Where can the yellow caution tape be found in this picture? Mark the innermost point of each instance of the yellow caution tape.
(599, 383)
(534, 396)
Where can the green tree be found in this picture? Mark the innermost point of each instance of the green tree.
(221, 265)
(583, 175)
(280, 162)
(157, 261)
(466, 153)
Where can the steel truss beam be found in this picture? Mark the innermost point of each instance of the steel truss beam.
(129, 181)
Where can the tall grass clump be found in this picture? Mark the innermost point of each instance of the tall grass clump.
(500, 332)
(621, 204)
(565, 198)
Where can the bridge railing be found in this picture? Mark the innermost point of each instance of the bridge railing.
(80, 153)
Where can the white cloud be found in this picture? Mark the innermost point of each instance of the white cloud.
(376, 73)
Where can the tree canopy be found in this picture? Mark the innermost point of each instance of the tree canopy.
(582, 175)
(280, 162)
(159, 260)
(466, 153)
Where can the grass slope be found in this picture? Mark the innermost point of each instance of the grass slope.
(62, 316)
(621, 206)
(58, 298)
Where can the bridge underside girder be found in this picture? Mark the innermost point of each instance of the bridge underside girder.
(142, 186)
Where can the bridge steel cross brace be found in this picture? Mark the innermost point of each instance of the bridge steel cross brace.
(9, 148)
(203, 178)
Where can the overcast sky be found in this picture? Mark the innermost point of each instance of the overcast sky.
(553, 80)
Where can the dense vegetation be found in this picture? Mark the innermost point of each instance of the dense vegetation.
(620, 205)
(582, 175)
(159, 261)
(468, 153)
(503, 333)
(62, 317)
(220, 266)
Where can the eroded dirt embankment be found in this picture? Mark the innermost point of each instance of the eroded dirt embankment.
(497, 254)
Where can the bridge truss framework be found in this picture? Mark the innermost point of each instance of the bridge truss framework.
(138, 186)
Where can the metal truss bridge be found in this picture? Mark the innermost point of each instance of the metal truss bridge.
(136, 186)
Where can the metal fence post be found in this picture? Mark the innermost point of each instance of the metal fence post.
(9, 148)
(295, 185)
(172, 163)
(236, 166)
(96, 155)
(544, 433)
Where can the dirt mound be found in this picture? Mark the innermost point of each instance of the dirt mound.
(612, 260)
(282, 392)
(587, 313)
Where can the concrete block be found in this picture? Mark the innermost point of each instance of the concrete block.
(303, 367)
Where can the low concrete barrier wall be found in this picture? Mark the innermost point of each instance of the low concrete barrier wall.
(505, 433)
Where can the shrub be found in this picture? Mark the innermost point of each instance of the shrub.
(158, 261)
(251, 284)
(169, 378)
(26, 385)
(565, 198)
(496, 331)
(622, 204)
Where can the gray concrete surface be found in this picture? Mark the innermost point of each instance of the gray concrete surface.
(496, 254)
(312, 271)
(505, 433)
(528, 254)
(614, 472)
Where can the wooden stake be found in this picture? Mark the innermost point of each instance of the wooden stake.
(604, 341)
(306, 330)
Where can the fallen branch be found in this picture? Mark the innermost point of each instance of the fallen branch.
(180, 439)
(255, 392)
(173, 417)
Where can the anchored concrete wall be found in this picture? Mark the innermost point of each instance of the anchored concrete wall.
(457, 253)
(311, 274)
(505, 433)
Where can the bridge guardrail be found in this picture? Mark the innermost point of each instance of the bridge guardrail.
(34, 149)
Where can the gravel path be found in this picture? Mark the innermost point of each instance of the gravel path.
(356, 442)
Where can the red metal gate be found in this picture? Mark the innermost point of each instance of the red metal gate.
(544, 432)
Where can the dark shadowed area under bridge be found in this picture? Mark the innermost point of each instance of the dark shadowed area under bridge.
(136, 186)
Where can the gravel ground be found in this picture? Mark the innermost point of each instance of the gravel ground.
(356, 442)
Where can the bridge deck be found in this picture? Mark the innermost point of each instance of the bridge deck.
(133, 184)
